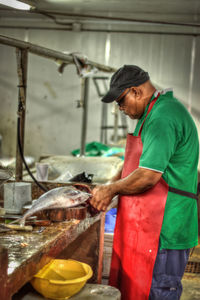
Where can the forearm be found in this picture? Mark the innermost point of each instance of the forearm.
(137, 182)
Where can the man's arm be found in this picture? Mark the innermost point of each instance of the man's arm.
(137, 182)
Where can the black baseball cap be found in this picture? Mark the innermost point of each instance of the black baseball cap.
(125, 77)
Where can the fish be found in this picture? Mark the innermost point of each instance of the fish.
(61, 197)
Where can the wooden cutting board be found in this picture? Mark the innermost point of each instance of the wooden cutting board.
(63, 214)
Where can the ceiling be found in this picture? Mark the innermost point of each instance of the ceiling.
(153, 16)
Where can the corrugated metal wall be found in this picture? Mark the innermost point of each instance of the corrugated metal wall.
(53, 122)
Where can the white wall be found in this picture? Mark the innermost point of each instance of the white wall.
(53, 123)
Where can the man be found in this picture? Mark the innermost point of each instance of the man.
(157, 212)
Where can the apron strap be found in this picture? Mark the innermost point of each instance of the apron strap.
(184, 193)
(149, 109)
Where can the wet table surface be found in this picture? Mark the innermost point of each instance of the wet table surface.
(25, 253)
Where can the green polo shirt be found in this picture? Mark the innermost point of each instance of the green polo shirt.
(170, 145)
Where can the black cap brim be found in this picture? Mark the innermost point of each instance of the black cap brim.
(112, 95)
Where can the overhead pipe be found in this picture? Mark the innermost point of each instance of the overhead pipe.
(109, 18)
(113, 18)
(69, 28)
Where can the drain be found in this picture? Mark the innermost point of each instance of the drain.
(192, 267)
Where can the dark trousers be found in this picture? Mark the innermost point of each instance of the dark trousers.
(167, 274)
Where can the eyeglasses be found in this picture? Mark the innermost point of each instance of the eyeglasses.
(121, 101)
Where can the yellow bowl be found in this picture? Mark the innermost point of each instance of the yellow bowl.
(61, 279)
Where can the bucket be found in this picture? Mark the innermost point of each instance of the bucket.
(61, 279)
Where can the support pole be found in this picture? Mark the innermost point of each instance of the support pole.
(103, 137)
(191, 78)
(101, 247)
(115, 133)
(22, 64)
(84, 99)
(4, 274)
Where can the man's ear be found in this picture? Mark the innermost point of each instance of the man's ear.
(137, 91)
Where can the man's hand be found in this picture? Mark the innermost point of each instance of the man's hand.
(102, 196)
(137, 182)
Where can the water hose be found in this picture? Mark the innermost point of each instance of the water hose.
(23, 159)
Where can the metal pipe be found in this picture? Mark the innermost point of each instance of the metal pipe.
(0, 146)
(105, 111)
(114, 18)
(99, 17)
(101, 30)
(103, 136)
(115, 132)
(22, 65)
(48, 53)
(85, 94)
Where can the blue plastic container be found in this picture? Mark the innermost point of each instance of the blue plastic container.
(110, 220)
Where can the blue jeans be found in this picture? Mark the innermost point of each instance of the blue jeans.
(167, 274)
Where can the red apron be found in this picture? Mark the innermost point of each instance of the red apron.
(137, 230)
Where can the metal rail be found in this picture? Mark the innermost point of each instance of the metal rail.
(49, 53)
(23, 48)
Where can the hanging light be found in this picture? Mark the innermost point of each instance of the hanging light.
(15, 4)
